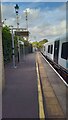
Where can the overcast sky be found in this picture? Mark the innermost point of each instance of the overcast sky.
(46, 20)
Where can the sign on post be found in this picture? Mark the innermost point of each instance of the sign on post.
(22, 33)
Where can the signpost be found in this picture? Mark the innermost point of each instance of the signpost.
(22, 33)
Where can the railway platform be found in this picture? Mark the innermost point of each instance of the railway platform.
(20, 96)
(53, 89)
(33, 90)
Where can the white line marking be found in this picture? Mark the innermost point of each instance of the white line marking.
(55, 71)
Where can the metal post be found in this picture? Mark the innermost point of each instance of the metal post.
(17, 17)
(26, 22)
(24, 51)
(18, 49)
(13, 52)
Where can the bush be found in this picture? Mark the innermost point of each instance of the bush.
(7, 44)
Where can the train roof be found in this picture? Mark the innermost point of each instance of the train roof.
(63, 37)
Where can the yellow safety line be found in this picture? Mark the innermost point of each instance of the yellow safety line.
(40, 98)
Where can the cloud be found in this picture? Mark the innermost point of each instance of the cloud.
(43, 23)
(8, 13)
(52, 23)
(50, 32)
(32, 13)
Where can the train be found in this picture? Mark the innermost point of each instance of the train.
(57, 54)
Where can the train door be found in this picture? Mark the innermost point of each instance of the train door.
(56, 51)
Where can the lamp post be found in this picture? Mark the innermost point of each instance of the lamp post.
(17, 17)
(26, 19)
(13, 51)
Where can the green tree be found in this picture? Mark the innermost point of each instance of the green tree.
(39, 44)
(7, 43)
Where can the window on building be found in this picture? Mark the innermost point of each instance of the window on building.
(64, 51)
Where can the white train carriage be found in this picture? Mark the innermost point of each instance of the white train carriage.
(48, 50)
(45, 46)
(63, 52)
(57, 51)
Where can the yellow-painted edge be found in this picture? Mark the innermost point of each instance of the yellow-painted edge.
(40, 98)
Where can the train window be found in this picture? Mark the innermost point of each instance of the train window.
(64, 52)
(48, 48)
(51, 49)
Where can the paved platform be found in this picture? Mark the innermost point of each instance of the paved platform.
(54, 91)
(20, 97)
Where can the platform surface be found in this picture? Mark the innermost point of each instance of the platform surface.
(54, 90)
(20, 97)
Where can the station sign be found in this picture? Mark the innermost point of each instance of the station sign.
(22, 33)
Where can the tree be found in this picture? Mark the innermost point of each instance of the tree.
(7, 43)
(35, 44)
(39, 44)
